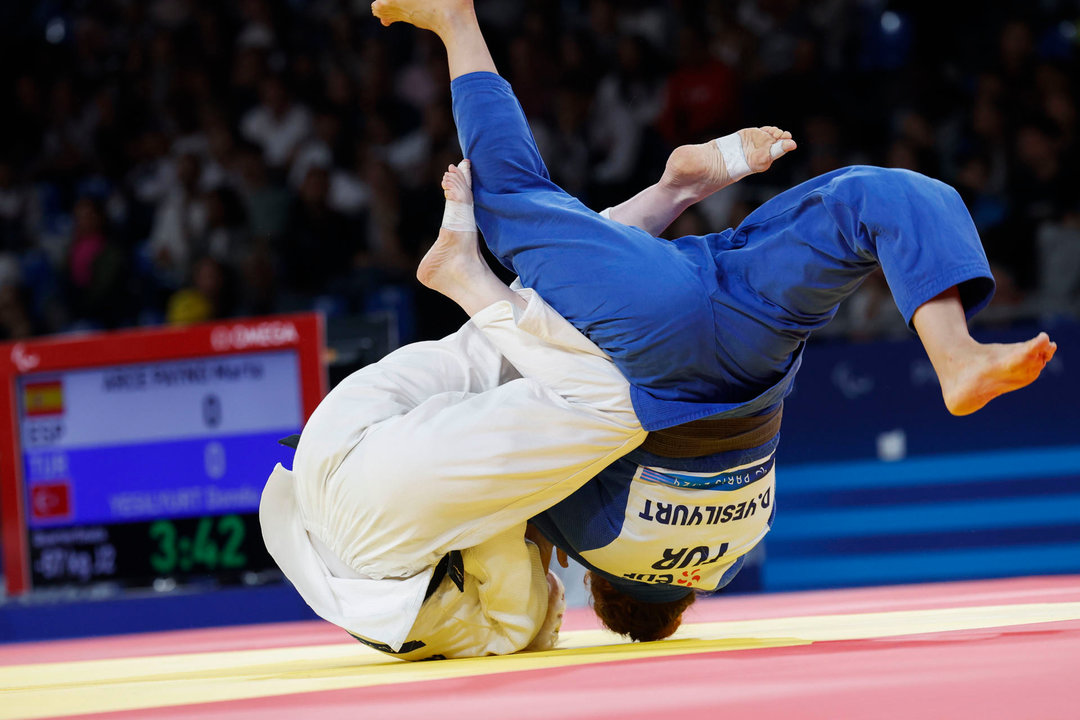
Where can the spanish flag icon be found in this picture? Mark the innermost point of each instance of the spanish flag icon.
(43, 398)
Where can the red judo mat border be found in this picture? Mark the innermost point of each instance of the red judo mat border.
(1026, 671)
(1004, 674)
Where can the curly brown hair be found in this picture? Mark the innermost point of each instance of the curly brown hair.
(633, 618)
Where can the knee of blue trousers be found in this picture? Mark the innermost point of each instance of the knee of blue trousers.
(934, 232)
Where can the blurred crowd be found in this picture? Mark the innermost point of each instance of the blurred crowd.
(183, 160)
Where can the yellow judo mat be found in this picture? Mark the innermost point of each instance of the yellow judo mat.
(145, 683)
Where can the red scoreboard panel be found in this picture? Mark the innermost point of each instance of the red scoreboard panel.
(127, 457)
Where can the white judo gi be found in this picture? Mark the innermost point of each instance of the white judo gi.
(441, 446)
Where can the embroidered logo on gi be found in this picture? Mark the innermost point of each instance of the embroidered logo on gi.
(689, 577)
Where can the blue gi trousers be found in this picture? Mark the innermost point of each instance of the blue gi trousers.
(714, 324)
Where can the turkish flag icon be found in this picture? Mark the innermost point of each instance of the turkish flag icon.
(50, 501)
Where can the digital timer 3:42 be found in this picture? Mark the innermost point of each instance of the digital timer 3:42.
(216, 544)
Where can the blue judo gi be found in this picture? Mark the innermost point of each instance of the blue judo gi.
(702, 326)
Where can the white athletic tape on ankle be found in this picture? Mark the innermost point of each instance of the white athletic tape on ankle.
(459, 216)
(777, 149)
(606, 213)
(734, 156)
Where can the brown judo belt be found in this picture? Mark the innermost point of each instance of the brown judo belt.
(710, 436)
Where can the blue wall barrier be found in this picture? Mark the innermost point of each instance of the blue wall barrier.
(877, 483)
(37, 619)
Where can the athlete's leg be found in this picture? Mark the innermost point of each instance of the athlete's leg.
(454, 21)
(453, 266)
(629, 292)
(810, 247)
(973, 373)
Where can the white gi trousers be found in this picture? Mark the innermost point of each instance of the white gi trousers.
(440, 446)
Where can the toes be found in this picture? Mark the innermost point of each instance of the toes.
(378, 9)
(466, 172)
(776, 133)
(1037, 343)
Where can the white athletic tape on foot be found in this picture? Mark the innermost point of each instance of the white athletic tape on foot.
(606, 213)
(777, 149)
(459, 216)
(734, 156)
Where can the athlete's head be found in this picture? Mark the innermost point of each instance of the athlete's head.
(633, 618)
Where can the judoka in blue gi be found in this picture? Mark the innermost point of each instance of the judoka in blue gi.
(709, 330)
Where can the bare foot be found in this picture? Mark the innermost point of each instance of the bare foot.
(698, 171)
(985, 371)
(439, 16)
(454, 261)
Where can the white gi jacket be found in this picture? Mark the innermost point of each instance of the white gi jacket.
(440, 446)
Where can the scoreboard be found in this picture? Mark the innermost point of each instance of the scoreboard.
(134, 456)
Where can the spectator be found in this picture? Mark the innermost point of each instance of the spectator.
(277, 125)
(319, 249)
(319, 150)
(1041, 190)
(225, 238)
(97, 269)
(13, 207)
(702, 94)
(15, 319)
(266, 202)
(207, 298)
(180, 220)
(627, 104)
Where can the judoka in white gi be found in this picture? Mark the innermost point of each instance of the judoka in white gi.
(403, 518)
